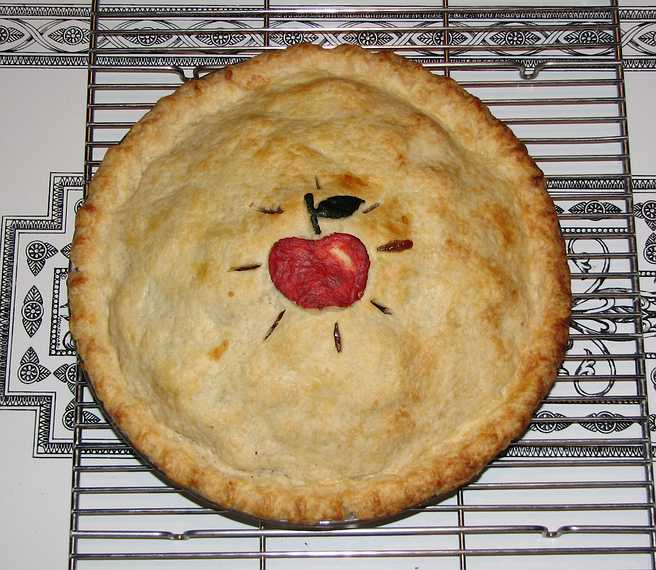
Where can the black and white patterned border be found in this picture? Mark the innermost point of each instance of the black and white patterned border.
(644, 210)
(37, 354)
(44, 36)
(639, 39)
(58, 36)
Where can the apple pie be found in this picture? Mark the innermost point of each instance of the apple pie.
(320, 285)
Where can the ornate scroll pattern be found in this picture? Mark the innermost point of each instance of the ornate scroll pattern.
(590, 321)
(602, 360)
(644, 191)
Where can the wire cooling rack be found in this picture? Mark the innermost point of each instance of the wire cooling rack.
(577, 489)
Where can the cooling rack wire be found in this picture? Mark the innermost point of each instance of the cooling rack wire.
(577, 489)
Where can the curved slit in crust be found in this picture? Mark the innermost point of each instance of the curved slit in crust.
(263, 210)
(272, 328)
(371, 208)
(337, 336)
(382, 308)
(396, 245)
(246, 267)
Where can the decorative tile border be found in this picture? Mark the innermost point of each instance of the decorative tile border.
(644, 191)
(44, 36)
(644, 210)
(58, 36)
(37, 353)
(639, 39)
(643, 184)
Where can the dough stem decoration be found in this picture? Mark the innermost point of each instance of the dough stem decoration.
(334, 207)
(309, 203)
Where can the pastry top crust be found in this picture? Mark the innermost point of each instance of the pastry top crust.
(417, 402)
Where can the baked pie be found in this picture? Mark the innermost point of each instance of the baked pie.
(319, 285)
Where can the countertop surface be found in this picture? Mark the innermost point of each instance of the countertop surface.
(43, 91)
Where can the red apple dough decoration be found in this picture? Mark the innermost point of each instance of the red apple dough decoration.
(328, 272)
(314, 274)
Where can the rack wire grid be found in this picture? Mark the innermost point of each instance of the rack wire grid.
(577, 489)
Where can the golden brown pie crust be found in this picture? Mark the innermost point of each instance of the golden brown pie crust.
(417, 402)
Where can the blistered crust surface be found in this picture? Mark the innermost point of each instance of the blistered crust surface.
(417, 402)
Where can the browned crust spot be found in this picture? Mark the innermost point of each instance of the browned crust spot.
(76, 279)
(202, 271)
(351, 182)
(217, 352)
